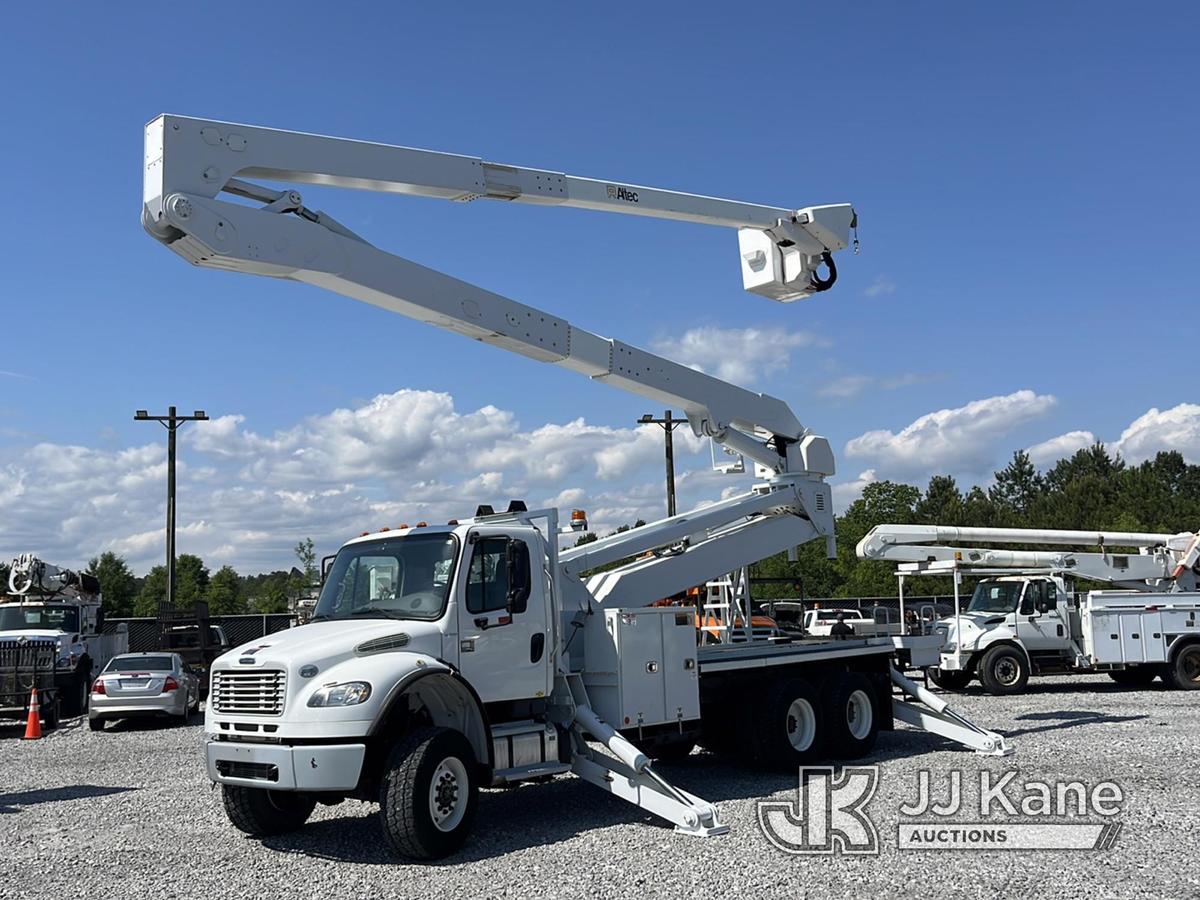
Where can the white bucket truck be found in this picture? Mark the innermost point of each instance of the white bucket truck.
(1023, 618)
(443, 658)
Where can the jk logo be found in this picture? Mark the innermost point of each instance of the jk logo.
(828, 815)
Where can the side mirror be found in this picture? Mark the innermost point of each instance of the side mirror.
(516, 559)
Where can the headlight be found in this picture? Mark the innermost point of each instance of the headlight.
(949, 647)
(350, 693)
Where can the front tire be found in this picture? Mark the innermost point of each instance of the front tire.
(260, 813)
(1183, 672)
(1004, 670)
(429, 793)
(75, 695)
(851, 716)
(948, 680)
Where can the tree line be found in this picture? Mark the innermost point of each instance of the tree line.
(226, 592)
(1093, 490)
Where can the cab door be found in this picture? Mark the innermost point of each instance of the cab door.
(503, 634)
(1040, 624)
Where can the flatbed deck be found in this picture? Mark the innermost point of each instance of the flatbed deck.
(714, 658)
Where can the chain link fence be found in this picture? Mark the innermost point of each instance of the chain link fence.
(143, 632)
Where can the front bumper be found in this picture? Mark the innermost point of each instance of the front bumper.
(279, 767)
(104, 707)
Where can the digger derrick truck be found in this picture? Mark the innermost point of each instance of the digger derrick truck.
(443, 658)
(59, 609)
(1024, 617)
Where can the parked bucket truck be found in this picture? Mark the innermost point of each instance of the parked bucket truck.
(1024, 618)
(445, 657)
(61, 609)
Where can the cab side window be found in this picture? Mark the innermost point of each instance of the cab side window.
(499, 573)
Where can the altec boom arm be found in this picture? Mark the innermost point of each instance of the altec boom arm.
(1163, 561)
(190, 162)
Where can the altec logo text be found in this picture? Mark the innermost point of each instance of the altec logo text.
(616, 192)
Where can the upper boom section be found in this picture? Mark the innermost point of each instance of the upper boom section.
(781, 248)
(189, 162)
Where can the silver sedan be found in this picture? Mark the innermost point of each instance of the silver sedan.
(143, 684)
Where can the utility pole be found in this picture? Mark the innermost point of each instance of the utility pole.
(669, 424)
(171, 422)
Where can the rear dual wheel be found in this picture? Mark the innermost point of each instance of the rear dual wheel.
(793, 723)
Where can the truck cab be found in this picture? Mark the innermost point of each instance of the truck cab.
(439, 633)
(1013, 626)
(75, 626)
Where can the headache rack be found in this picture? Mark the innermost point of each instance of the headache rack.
(25, 664)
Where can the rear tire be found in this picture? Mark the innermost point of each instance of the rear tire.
(96, 724)
(787, 725)
(429, 793)
(260, 812)
(948, 680)
(1138, 676)
(852, 721)
(1003, 670)
(1183, 672)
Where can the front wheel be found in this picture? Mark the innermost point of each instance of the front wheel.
(429, 792)
(75, 695)
(1004, 670)
(1183, 672)
(260, 812)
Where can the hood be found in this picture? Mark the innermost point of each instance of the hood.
(325, 643)
(33, 634)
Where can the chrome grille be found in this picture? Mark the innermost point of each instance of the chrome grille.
(258, 693)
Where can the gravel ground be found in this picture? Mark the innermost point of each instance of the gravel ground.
(129, 813)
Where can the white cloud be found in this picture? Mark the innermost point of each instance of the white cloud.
(738, 355)
(848, 491)
(1049, 452)
(880, 287)
(960, 440)
(246, 497)
(1177, 428)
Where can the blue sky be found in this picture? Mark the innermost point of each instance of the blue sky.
(1025, 176)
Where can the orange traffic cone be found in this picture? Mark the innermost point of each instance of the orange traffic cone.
(33, 727)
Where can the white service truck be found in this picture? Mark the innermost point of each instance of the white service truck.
(50, 604)
(1024, 618)
(443, 658)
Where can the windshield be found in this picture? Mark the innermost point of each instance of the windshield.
(995, 596)
(140, 664)
(21, 617)
(403, 578)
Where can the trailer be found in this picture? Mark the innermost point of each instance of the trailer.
(1024, 619)
(445, 657)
